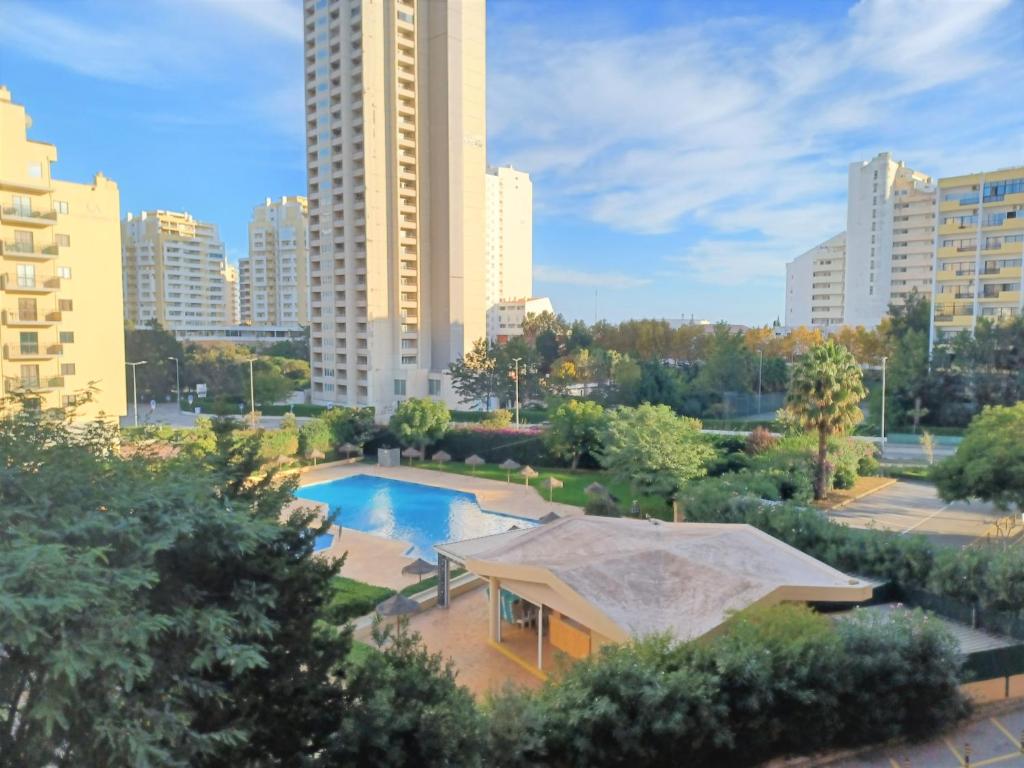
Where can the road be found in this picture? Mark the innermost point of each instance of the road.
(909, 507)
(166, 413)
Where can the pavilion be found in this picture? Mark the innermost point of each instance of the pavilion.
(585, 581)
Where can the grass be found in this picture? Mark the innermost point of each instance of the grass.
(352, 599)
(428, 583)
(572, 491)
(360, 651)
(901, 472)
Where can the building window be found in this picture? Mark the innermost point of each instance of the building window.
(65, 305)
(64, 273)
(67, 369)
(35, 170)
(69, 401)
(60, 206)
(400, 387)
(63, 240)
(433, 387)
(23, 241)
(26, 276)
(67, 337)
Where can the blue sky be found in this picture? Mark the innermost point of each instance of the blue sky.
(681, 152)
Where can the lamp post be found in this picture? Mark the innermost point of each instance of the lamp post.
(135, 389)
(883, 404)
(177, 381)
(516, 361)
(252, 394)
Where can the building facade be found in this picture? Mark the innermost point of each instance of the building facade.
(814, 285)
(890, 233)
(979, 249)
(244, 294)
(61, 327)
(175, 271)
(396, 150)
(509, 230)
(231, 279)
(508, 317)
(277, 268)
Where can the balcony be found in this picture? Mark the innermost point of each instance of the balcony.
(29, 218)
(20, 384)
(13, 283)
(26, 185)
(15, 319)
(21, 252)
(32, 351)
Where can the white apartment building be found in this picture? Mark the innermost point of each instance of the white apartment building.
(234, 296)
(509, 230)
(508, 317)
(396, 154)
(277, 268)
(174, 271)
(887, 250)
(244, 292)
(890, 235)
(814, 285)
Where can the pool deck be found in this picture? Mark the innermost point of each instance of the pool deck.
(377, 560)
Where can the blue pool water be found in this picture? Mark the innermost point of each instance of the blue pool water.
(420, 514)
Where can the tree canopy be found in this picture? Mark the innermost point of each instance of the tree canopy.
(420, 421)
(575, 428)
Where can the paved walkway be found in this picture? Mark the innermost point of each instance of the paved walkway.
(986, 741)
(908, 507)
(460, 632)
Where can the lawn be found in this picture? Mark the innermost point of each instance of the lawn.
(574, 482)
(352, 599)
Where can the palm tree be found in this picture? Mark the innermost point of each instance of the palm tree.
(824, 396)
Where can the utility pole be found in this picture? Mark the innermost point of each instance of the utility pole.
(177, 381)
(252, 395)
(516, 361)
(883, 404)
(135, 389)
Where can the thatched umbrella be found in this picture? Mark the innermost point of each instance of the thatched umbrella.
(596, 489)
(398, 605)
(527, 472)
(551, 483)
(441, 457)
(550, 517)
(314, 455)
(412, 453)
(348, 448)
(281, 460)
(510, 466)
(419, 567)
(473, 462)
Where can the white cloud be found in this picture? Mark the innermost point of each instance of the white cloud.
(745, 126)
(587, 279)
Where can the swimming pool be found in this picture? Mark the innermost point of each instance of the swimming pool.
(419, 514)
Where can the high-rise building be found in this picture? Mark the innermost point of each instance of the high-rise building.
(396, 150)
(61, 326)
(814, 285)
(887, 250)
(174, 271)
(277, 268)
(979, 249)
(509, 229)
(890, 232)
(234, 297)
(244, 294)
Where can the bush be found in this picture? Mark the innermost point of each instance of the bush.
(314, 435)
(498, 419)
(600, 505)
(524, 445)
(760, 441)
(351, 599)
(779, 681)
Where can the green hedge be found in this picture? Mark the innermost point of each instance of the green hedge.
(352, 599)
(526, 416)
(495, 445)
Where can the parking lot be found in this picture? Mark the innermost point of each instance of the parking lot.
(908, 507)
(986, 741)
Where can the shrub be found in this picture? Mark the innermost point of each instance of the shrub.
(760, 441)
(498, 419)
(524, 445)
(601, 505)
(314, 435)
(351, 599)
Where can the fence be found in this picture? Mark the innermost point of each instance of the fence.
(735, 404)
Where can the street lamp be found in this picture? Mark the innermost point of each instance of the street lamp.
(516, 361)
(135, 389)
(177, 381)
(760, 368)
(252, 395)
(883, 404)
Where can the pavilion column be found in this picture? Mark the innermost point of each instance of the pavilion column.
(494, 609)
(540, 636)
(443, 581)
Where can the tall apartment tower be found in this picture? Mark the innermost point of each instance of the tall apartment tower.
(174, 272)
(814, 285)
(61, 327)
(277, 269)
(509, 228)
(244, 293)
(890, 232)
(396, 148)
(979, 250)
(234, 297)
